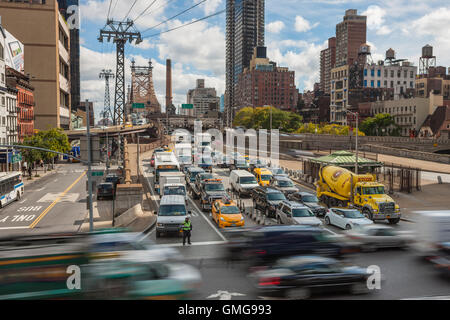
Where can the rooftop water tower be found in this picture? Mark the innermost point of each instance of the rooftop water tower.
(427, 60)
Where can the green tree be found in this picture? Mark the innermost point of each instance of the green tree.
(380, 125)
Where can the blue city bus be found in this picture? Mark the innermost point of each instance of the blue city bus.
(11, 187)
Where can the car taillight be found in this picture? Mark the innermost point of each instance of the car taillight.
(269, 281)
(261, 252)
(353, 237)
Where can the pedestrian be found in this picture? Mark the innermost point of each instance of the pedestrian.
(187, 227)
(29, 171)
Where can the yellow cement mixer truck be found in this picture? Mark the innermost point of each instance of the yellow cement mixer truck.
(339, 187)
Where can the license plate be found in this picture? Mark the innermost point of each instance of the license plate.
(233, 224)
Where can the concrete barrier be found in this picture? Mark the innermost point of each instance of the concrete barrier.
(129, 216)
(127, 196)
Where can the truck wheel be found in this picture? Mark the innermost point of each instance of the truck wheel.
(394, 221)
(366, 212)
(348, 227)
(327, 220)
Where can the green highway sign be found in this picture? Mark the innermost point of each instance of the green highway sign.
(97, 173)
(187, 106)
(138, 105)
(16, 158)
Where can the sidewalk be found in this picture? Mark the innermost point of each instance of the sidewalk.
(40, 172)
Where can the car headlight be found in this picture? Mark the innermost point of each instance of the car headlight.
(160, 224)
(221, 218)
(242, 218)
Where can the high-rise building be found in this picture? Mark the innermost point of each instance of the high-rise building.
(70, 11)
(350, 35)
(204, 100)
(46, 39)
(327, 62)
(263, 83)
(244, 31)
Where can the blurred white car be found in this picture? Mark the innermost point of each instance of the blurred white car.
(346, 218)
(372, 237)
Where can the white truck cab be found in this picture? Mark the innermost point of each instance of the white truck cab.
(171, 214)
(178, 189)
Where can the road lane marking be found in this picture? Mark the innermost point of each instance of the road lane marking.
(11, 228)
(50, 197)
(207, 220)
(42, 215)
(204, 243)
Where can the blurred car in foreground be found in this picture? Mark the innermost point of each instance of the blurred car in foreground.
(441, 258)
(299, 277)
(372, 237)
(264, 245)
(346, 218)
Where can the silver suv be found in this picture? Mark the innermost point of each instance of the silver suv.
(290, 212)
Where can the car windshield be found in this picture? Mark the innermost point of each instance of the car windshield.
(230, 210)
(214, 187)
(111, 179)
(247, 180)
(285, 183)
(184, 158)
(277, 171)
(175, 190)
(374, 190)
(194, 174)
(106, 186)
(206, 176)
(310, 199)
(354, 214)
(206, 160)
(275, 196)
(266, 177)
(301, 213)
(172, 210)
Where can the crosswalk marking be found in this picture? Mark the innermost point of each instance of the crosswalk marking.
(68, 197)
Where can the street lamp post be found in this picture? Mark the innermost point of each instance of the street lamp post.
(88, 124)
(356, 140)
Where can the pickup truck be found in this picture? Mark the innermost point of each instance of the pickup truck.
(197, 184)
(211, 190)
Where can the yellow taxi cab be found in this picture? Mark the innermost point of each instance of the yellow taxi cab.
(226, 213)
(263, 176)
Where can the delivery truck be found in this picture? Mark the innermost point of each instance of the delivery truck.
(339, 187)
(170, 178)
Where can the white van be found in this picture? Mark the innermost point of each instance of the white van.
(171, 214)
(242, 182)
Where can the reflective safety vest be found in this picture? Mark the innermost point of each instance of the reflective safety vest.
(187, 226)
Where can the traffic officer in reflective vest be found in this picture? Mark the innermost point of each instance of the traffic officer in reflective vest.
(187, 227)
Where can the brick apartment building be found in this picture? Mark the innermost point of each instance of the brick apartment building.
(25, 102)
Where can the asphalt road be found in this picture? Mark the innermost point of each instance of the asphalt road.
(405, 275)
(55, 203)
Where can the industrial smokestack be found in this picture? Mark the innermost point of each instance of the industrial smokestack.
(168, 84)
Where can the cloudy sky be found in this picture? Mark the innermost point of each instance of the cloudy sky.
(296, 31)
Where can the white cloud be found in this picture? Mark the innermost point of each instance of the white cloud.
(209, 6)
(205, 52)
(303, 25)
(145, 44)
(275, 27)
(375, 19)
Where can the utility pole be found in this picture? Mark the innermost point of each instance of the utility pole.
(356, 140)
(91, 215)
(120, 32)
(106, 74)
